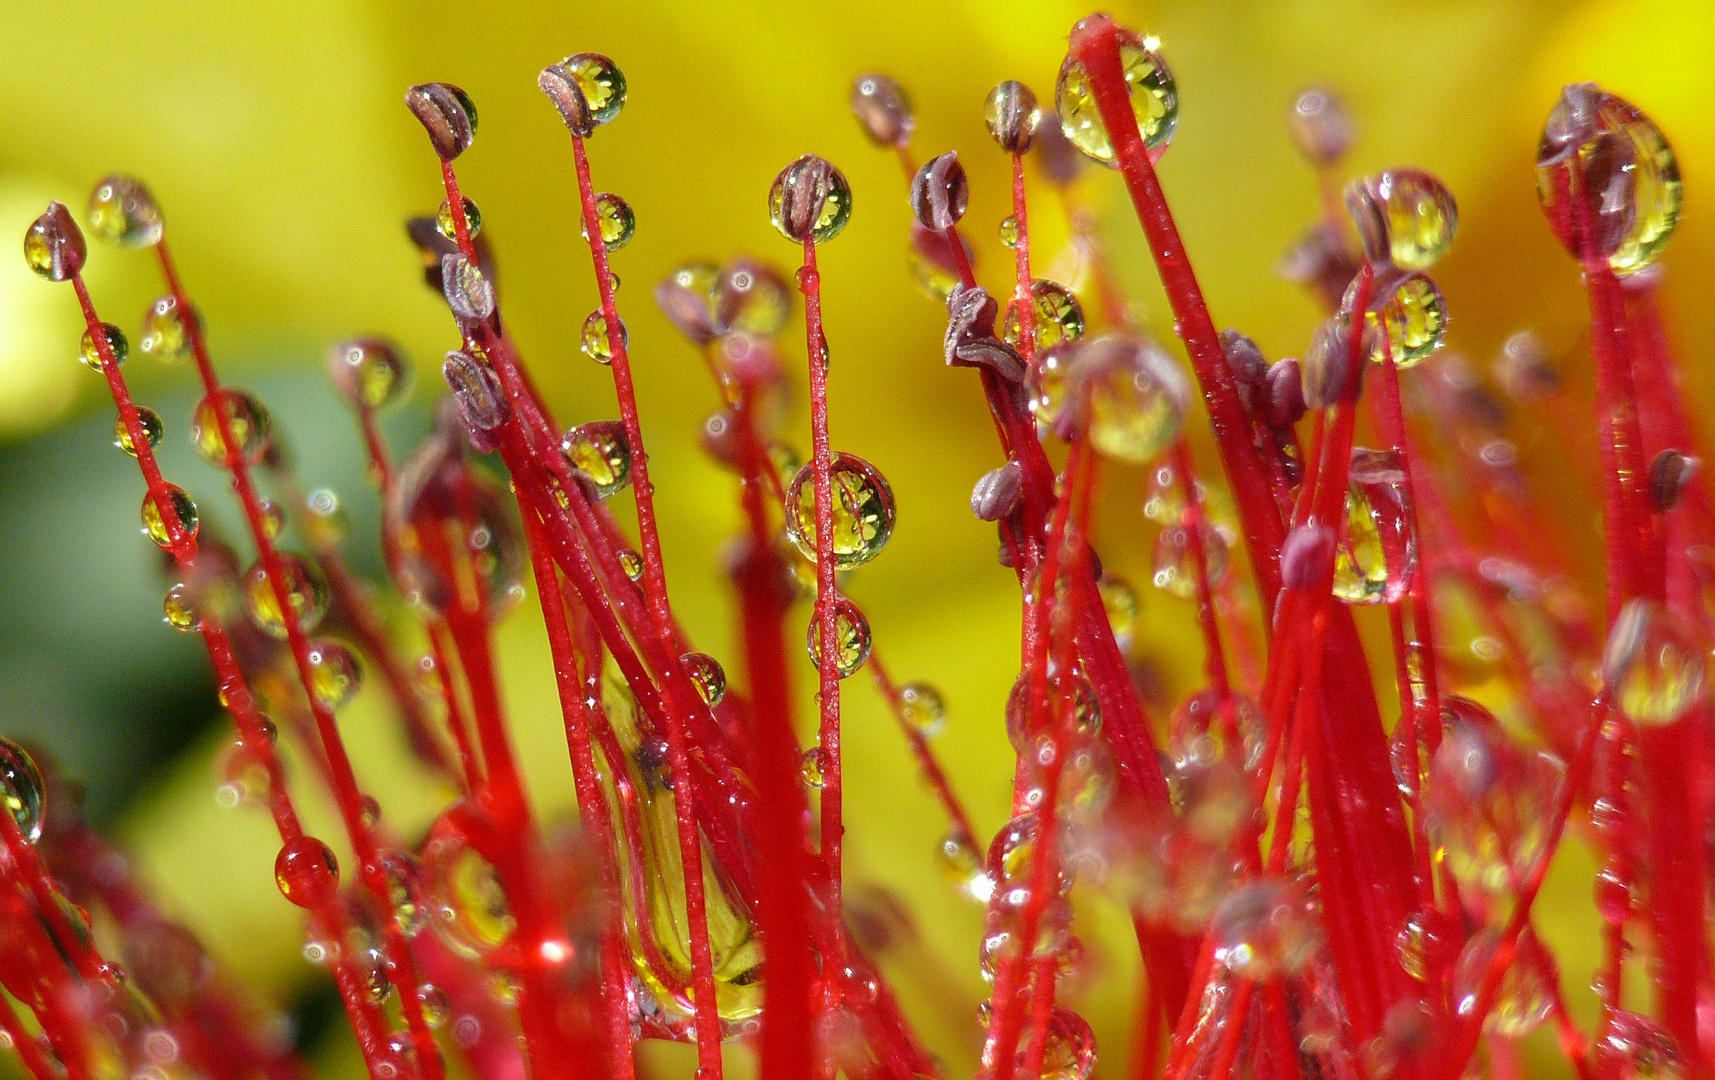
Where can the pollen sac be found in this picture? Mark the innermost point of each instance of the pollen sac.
(600, 453)
(1321, 126)
(940, 192)
(53, 245)
(883, 111)
(122, 212)
(482, 404)
(996, 492)
(1307, 557)
(1127, 396)
(852, 639)
(1607, 179)
(1012, 116)
(1283, 394)
(686, 298)
(1654, 665)
(1377, 557)
(1404, 217)
(1149, 84)
(1406, 319)
(588, 89)
(469, 294)
(810, 200)
(1669, 472)
(447, 114)
(425, 234)
(370, 373)
(863, 511)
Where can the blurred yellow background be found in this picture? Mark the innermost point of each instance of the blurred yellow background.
(275, 137)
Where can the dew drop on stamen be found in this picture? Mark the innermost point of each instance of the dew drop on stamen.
(1406, 318)
(1070, 699)
(335, 674)
(1009, 232)
(1132, 398)
(707, 676)
(22, 788)
(446, 223)
(306, 596)
(1154, 100)
(183, 508)
(1655, 667)
(1377, 557)
(594, 340)
(600, 452)
(614, 219)
(600, 82)
(147, 419)
(1522, 1001)
(792, 192)
(247, 421)
(1175, 559)
(405, 891)
(306, 872)
(1057, 315)
(1404, 217)
(123, 213)
(922, 708)
(963, 864)
(89, 349)
(466, 907)
(165, 336)
(631, 564)
(178, 609)
(851, 639)
(1265, 929)
(750, 297)
(436, 1009)
(810, 768)
(863, 511)
(1635, 1047)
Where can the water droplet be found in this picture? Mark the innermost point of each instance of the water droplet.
(600, 82)
(1635, 1047)
(1120, 602)
(165, 335)
(147, 419)
(751, 298)
(437, 1010)
(600, 452)
(447, 225)
(1377, 558)
(1429, 943)
(595, 342)
(1654, 665)
(706, 674)
(22, 789)
(1154, 100)
(1175, 559)
(335, 674)
(851, 638)
(632, 564)
(182, 508)
(124, 213)
(1522, 1001)
(1127, 395)
(1403, 216)
(273, 518)
(883, 110)
(1070, 698)
(178, 609)
(54, 247)
(614, 218)
(810, 198)
(1486, 801)
(369, 372)
(89, 350)
(405, 891)
(247, 422)
(307, 872)
(467, 908)
(810, 767)
(863, 511)
(1265, 929)
(306, 595)
(1057, 315)
(1602, 145)
(1009, 232)
(1407, 318)
(1045, 384)
(922, 708)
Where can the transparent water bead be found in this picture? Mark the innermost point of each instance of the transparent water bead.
(307, 872)
(1635, 1047)
(446, 222)
(922, 708)
(1603, 146)
(1377, 557)
(596, 343)
(467, 908)
(1406, 317)
(165, 334)
(852, 639)
(707, 676)
(1404, 217)
(614, 219)
(1174, 566)
(89, 349)
(1265, 929)
(1056, 316)
(22, 788)
(1154, 100)
(335, 674)
(1128, 396)
(1069, 697)
(810, 199)
(124, 213)
(147, 419)
(600, 452)
(306, 594)
(370, 372)
(247, 421)
(1523, 1000)
(863, 511)
(1655, 665)
(1487, 801)
(183, 508)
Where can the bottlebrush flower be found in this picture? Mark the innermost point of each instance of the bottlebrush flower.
(1321, 877)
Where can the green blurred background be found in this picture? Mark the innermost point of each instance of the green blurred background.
(275, 137)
